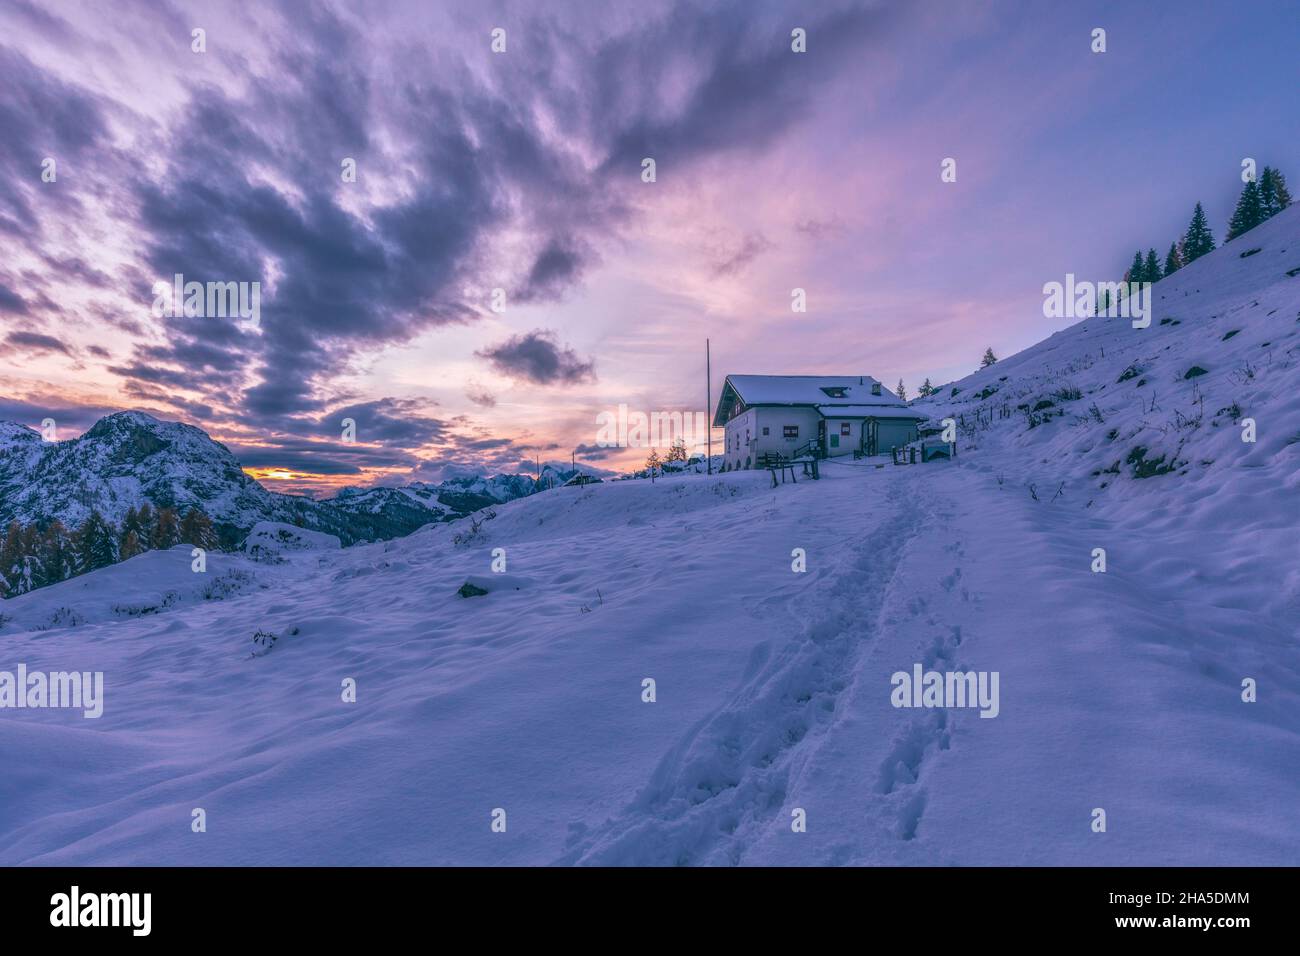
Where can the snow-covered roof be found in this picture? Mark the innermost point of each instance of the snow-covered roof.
(807, 390)
(870, 411)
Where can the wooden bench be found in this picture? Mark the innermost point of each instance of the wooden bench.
(778, 464)
(782, 467)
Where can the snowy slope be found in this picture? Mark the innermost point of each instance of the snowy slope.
(1119, 690)
(1151, 448)
(1223, 346)
(773, 687)
(151, 583)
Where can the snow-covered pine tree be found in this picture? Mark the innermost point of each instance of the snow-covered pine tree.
(1198, 239)
(1248, 213)
(96, 544)
(1151, 268)
(901, 391)
(926, 388)
(989, 358)
(1172, 262)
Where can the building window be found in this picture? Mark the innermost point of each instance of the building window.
(846, 429)
(791, 431)
(766, 430)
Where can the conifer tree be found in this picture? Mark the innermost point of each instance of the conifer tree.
(989, 358)
(1273, 195)
(1283, 194)
(11, 561)
(96, 544)
(1198, 239)
(1248, 213)
(166, 530)
(146, 522)
(926, 388)
(33, 566)
(1137, 271)
(57, 555)
(1172, 262)
(901, 391)
(131, 542)
(130, 546)
(676, 452)
(1151, 268)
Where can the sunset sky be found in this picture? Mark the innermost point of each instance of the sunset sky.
(521, 170)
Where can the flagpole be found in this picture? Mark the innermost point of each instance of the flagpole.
(708, 400)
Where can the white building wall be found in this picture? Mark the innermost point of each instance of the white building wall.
(746, 443)
(739, 440)
(837, 443)
(776, 419)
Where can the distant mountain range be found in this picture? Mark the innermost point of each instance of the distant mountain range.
(129, 458)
